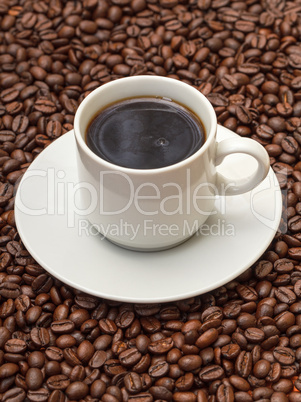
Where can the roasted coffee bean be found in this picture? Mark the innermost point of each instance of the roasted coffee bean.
(97, 388)
(42, 283)
(77, 390)
(102, 342)
(211, 373)
(71, 357)
(285, 295)
(86, 302)
(225, 392)
(34, 378)
(39, 395)
(160, 392)
(62, 326)
(133, 383)
(243, 114)
(262, 368)
(150, 324)
(10, 290)
(77, 373)
(15, 346)
(8, 369)
(107, 326)
(243, 364)
(129, 357)
(275, 372)
(7, 383)
(58, 382)
(239, 383)
(247, 293)
(284, 355)
(40, 337)
(36, 359)
(254, 335)
(85, 351)
(190, 362)
(145, 310)
(159, 369)
(54, 129)
(184, 396)
(283, 265)
(161, 346)
(231, 83)
(113, 367)
(185, 382)
(263, 268)
(98, 359)
(5, 335)
(14, 395)
(207, 338)
(246, 320)
(141, 397)
(54, 353)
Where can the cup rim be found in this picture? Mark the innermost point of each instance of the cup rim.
(137, 80)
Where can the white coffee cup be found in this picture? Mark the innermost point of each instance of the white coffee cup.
(155, 209)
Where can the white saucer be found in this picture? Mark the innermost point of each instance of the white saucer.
(241, 230)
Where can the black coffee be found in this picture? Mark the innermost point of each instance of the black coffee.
(145, 133)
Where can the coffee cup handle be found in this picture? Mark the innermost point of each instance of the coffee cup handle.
(228, 186)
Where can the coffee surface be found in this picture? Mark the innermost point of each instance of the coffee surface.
(145, 133)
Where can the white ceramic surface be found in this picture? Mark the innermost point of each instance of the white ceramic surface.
(240, 231)
(157, 204)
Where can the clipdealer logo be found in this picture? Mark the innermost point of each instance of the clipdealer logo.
(63, 197)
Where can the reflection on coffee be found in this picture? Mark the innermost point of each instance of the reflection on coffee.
(145, 133)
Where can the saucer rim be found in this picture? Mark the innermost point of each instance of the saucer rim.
(130, 299)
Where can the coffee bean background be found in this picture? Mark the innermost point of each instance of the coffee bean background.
(241, 342)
